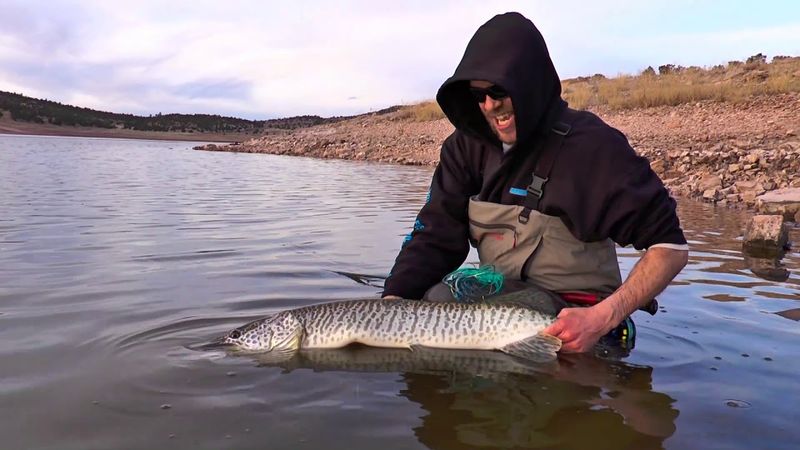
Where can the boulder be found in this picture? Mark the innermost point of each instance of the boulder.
(710, 195)
(658, 166)
(785, 202)
(709, 182)
(751, 158)
(766, 236)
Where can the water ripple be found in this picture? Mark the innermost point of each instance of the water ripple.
(117, 256)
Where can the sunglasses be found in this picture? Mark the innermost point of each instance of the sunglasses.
(493, 91)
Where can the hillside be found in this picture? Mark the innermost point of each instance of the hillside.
(735, 81)
(21, 114)
(32, 110)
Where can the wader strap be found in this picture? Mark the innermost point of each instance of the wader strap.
(542, 170)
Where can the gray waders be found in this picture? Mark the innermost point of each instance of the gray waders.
(536, 251)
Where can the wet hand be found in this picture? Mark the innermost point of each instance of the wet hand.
(580, 328)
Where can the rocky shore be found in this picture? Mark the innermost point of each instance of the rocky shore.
(726, 153)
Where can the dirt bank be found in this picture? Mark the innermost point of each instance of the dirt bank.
(727, 153)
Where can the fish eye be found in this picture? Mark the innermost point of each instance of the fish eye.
(235, 334)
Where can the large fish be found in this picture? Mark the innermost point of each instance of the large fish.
(512, 327)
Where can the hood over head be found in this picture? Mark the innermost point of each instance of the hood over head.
(510, 52)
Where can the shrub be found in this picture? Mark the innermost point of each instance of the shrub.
(422, 112)
(674, 85)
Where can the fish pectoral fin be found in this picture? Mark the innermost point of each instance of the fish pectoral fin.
(284, 350)
(538, 348)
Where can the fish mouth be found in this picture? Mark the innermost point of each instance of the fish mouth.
(215, 344)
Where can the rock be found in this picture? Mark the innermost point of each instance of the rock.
(785, 202)
(749, 190)
(709, 182)
(751, 159)
(749, 197)
(658, 166)
(765, 235)
(710, 194)
(743, 186)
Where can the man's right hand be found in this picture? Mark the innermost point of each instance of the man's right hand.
(391, 297)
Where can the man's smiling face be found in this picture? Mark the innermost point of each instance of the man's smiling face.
(499, 112)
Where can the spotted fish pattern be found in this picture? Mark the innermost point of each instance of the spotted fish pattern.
(511, 328)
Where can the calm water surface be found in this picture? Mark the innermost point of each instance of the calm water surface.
(116, 257)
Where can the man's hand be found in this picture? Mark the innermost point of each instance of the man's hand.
(391, 297)
(580, 328)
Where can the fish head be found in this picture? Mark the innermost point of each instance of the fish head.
(280, 332)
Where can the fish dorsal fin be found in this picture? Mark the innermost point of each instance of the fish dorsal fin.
(538, 348)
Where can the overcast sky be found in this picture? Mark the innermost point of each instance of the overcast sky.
(263, 59)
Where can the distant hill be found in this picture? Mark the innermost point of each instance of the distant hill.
(32, 110)
(671, 85)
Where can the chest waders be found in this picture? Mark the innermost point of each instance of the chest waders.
(534, 249)
(524, 244)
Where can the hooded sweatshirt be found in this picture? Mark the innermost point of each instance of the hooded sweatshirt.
(598, 186)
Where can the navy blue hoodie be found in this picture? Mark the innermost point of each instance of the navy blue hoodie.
(599, 187)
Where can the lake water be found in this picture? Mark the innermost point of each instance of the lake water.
(117, 257)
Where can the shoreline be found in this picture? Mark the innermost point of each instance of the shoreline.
(9, 127)
(728, 154)
(724, 153)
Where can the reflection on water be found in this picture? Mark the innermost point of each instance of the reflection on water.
(584, 403)
(118, 256)
(479, 399)
(768, 268)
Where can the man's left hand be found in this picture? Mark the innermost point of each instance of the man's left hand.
(580, 328)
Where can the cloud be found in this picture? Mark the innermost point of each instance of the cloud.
(215, 89)
(38, 32)
(275, 59)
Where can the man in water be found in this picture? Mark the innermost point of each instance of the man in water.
(543, 191)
